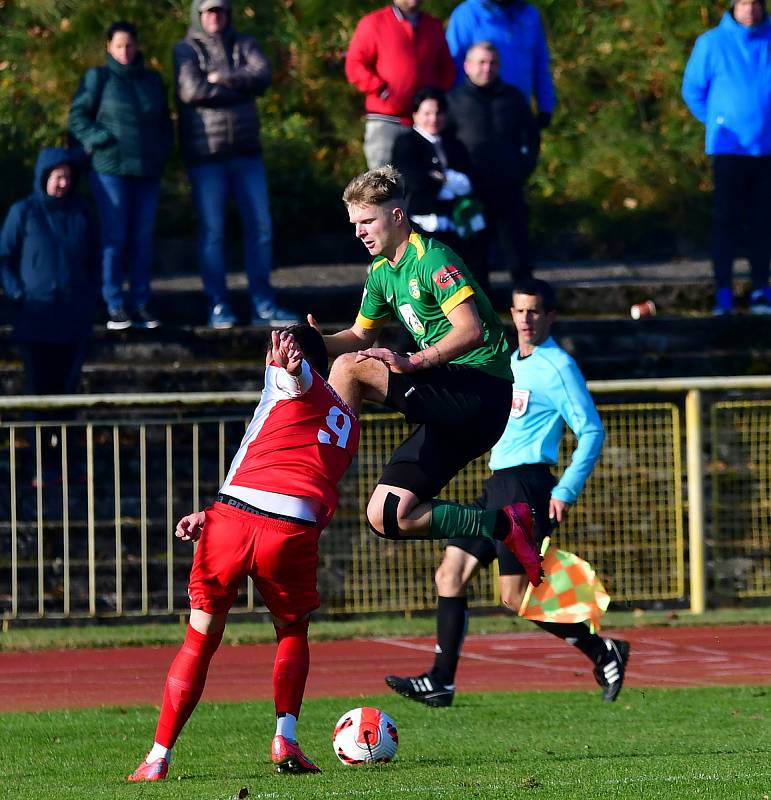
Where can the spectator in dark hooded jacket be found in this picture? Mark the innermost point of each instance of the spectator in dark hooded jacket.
(120, 116)
(49, 265)
(48, 259)
(218, 74)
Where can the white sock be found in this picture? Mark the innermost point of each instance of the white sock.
(285, 726)
(158, 751)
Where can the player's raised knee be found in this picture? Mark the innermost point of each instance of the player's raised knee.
(344, 364)
(382, 515)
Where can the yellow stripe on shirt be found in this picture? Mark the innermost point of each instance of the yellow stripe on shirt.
(377, 263)
(459, 296)
(370, 324)
(417, 243)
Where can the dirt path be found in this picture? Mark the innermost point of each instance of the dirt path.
(670, 657)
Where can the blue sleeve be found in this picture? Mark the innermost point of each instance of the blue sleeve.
(697, 79)
(543, 84)
(10, 251)
(578, 410)
(458, 40)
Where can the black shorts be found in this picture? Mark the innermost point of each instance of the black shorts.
(527, 483)
(461, 413)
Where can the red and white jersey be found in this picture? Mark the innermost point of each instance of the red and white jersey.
(300, 442)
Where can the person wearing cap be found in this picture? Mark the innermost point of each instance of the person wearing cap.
(219, 73)
(727, 87)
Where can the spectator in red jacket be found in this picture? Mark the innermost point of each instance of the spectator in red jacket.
(394, 52)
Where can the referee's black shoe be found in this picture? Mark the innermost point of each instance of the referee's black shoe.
(610, 669)
(422, 689)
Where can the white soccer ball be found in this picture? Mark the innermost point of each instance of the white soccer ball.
(365, 736)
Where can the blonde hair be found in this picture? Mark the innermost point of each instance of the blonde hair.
(377, 187)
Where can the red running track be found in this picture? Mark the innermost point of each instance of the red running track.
(664, 657)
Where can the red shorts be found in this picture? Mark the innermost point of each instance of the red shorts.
(281, 558)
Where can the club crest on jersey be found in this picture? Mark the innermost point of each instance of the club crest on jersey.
(519, 401)
(411, 319)
(414, 288)
(447, 276)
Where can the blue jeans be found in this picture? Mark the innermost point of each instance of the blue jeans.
(127, 208)
(212, 182)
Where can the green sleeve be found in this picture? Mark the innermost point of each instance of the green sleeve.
(374, 308)
(84, 110)
(448, 281)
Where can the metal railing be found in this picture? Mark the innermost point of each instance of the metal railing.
(88, 503)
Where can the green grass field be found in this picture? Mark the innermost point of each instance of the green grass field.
(652, 743)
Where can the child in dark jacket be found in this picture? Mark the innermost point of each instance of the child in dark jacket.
(49, 265)
(49, 268)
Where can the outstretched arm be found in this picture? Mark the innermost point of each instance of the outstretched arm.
(466, 334)
(348, 341)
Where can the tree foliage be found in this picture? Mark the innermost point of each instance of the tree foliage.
(622, 169)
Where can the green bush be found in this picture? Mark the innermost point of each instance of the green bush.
(622, 170)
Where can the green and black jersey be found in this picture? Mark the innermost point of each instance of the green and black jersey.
(425, 285)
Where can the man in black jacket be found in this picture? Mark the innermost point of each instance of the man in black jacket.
(494, 121)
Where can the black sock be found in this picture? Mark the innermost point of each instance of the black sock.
(579, 635)
(451, 625)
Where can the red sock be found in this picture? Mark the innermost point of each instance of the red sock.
(184, 684)
(290, 669)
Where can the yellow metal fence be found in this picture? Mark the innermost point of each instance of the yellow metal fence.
(88, 506)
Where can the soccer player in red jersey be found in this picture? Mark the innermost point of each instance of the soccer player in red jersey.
(279, 494)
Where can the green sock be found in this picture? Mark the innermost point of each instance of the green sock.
(452, 520)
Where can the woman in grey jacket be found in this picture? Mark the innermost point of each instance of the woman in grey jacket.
(218, 74)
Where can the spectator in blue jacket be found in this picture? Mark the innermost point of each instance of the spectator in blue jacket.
(727, 86)
(49, 263)
(516, 30)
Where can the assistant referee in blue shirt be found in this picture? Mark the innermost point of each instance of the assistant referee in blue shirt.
(549, 392)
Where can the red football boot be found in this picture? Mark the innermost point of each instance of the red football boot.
(154, 771)
(288, 757)
(521, 542)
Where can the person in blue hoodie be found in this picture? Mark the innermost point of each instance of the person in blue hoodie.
(727, 86)
(516, 30)
(49, 264)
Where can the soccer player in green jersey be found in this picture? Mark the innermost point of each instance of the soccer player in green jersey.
(456, 387)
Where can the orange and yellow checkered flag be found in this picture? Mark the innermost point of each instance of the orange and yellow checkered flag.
(570, 592)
